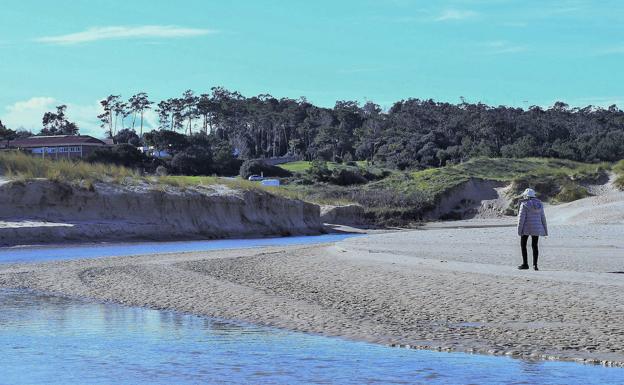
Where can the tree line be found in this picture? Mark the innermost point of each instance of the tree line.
(412, 133)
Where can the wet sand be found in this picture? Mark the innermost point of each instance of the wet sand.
(446, 288)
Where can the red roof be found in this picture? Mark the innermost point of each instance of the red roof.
(56, 141)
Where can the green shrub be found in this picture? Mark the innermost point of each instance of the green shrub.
(122, 154)
(571, 192)
(319, 172)
(619, 171)
(258, 167)
(194, 160)
(347, 176)
(343, 175)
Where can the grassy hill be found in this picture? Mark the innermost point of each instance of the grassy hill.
(545, 175)
(403, 197)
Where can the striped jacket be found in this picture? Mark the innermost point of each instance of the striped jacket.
(531, 218)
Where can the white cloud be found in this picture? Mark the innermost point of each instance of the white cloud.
(503, 47)
(125, 32)
(27, 115)
(456, 14)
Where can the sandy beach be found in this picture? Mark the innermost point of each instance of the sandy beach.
(451, 287)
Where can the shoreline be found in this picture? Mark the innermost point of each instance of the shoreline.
(427, 347)
(373, 289)
(326, 229)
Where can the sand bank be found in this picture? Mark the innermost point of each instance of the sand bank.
(446, 288)
(42, 211)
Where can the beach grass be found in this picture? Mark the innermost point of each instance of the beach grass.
(619, 172)
(185, 181)
(22, 167)
(17, 165)
(527, 171)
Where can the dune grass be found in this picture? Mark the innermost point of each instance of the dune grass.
(619, 172)
(184, 181)
(18, 165)
(527, 172)
(22, 167)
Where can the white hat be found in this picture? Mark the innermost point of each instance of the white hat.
(529, 193)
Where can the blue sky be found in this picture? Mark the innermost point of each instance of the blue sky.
(506, 52)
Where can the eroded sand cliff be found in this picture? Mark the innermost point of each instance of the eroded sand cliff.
(43, 211)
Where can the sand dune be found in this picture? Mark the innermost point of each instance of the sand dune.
(600, 209)
(42, 211)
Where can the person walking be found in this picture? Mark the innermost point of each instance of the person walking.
(531, 222)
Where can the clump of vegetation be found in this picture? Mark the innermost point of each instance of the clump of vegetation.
(570, 192)
(318, 172)
(619, 172)
(122, 155)
(257, 167)
(342, 175)
(195, 160)
(348, 176)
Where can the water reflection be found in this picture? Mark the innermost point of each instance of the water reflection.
(51, 340)
(51, 253)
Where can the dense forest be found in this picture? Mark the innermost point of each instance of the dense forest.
(411, 134)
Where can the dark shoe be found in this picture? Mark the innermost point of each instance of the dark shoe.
(523, 267)
(534, 268)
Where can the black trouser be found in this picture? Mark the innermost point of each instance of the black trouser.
(523, 245)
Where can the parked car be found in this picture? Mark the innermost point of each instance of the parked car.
(255, 178)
